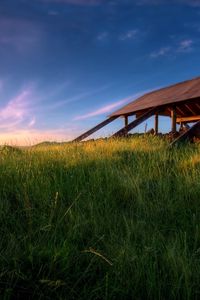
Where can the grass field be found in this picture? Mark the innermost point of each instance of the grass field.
(112, 219)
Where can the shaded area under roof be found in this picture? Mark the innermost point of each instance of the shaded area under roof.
(177, 93)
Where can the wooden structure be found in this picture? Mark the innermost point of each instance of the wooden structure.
(180, 102)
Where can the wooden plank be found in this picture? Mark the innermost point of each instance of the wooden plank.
(197, 105)
(191, 110)
(188, 119)
(189, 134)
(180, 110)
(94, 129)
(142, 118)
(173, 118)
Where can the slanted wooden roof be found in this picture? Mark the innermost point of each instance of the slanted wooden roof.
(186, 96)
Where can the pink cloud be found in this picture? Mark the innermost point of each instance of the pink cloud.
(32, 122)
(18, 122)
(18, 112)
(15, 110)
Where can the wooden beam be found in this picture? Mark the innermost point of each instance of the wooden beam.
(188, 119)
(173, 118)
(192, 132)
(189, 108)
(180, 110)
(197, 105)
(139, 120)
(156, 123)
(94, 129)
(169, 110)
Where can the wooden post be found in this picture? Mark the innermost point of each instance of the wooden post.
(126, 122)
(156, 124)
(137, 121)
(173, 118)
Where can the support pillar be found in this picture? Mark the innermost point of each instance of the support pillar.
(126, 122)
(173, 119)
(156, 124)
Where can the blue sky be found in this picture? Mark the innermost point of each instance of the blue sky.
(67, 64)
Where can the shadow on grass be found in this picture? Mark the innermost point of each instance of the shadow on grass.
(136, 210)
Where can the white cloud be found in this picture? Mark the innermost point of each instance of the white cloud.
(102, 36)
(161, 52)
(185, 46)
(130, 34)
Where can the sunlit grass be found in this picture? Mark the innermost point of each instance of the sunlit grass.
(109, 219)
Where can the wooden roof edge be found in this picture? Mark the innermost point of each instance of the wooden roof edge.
(170, 103)
(148, 108)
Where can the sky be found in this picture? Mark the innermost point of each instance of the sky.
(65, 65)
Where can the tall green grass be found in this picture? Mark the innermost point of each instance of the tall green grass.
(112, 219)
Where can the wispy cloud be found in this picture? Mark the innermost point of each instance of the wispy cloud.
(77, 97)
(1, 85)
(184, 46)
(19, 34)
(129, 35)
(74, 2)
(193, 3)
(16, 111)
(161, 52)
(53, 13)
(107, 108)
(32, 122)
(18, 124)
(102, 36)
